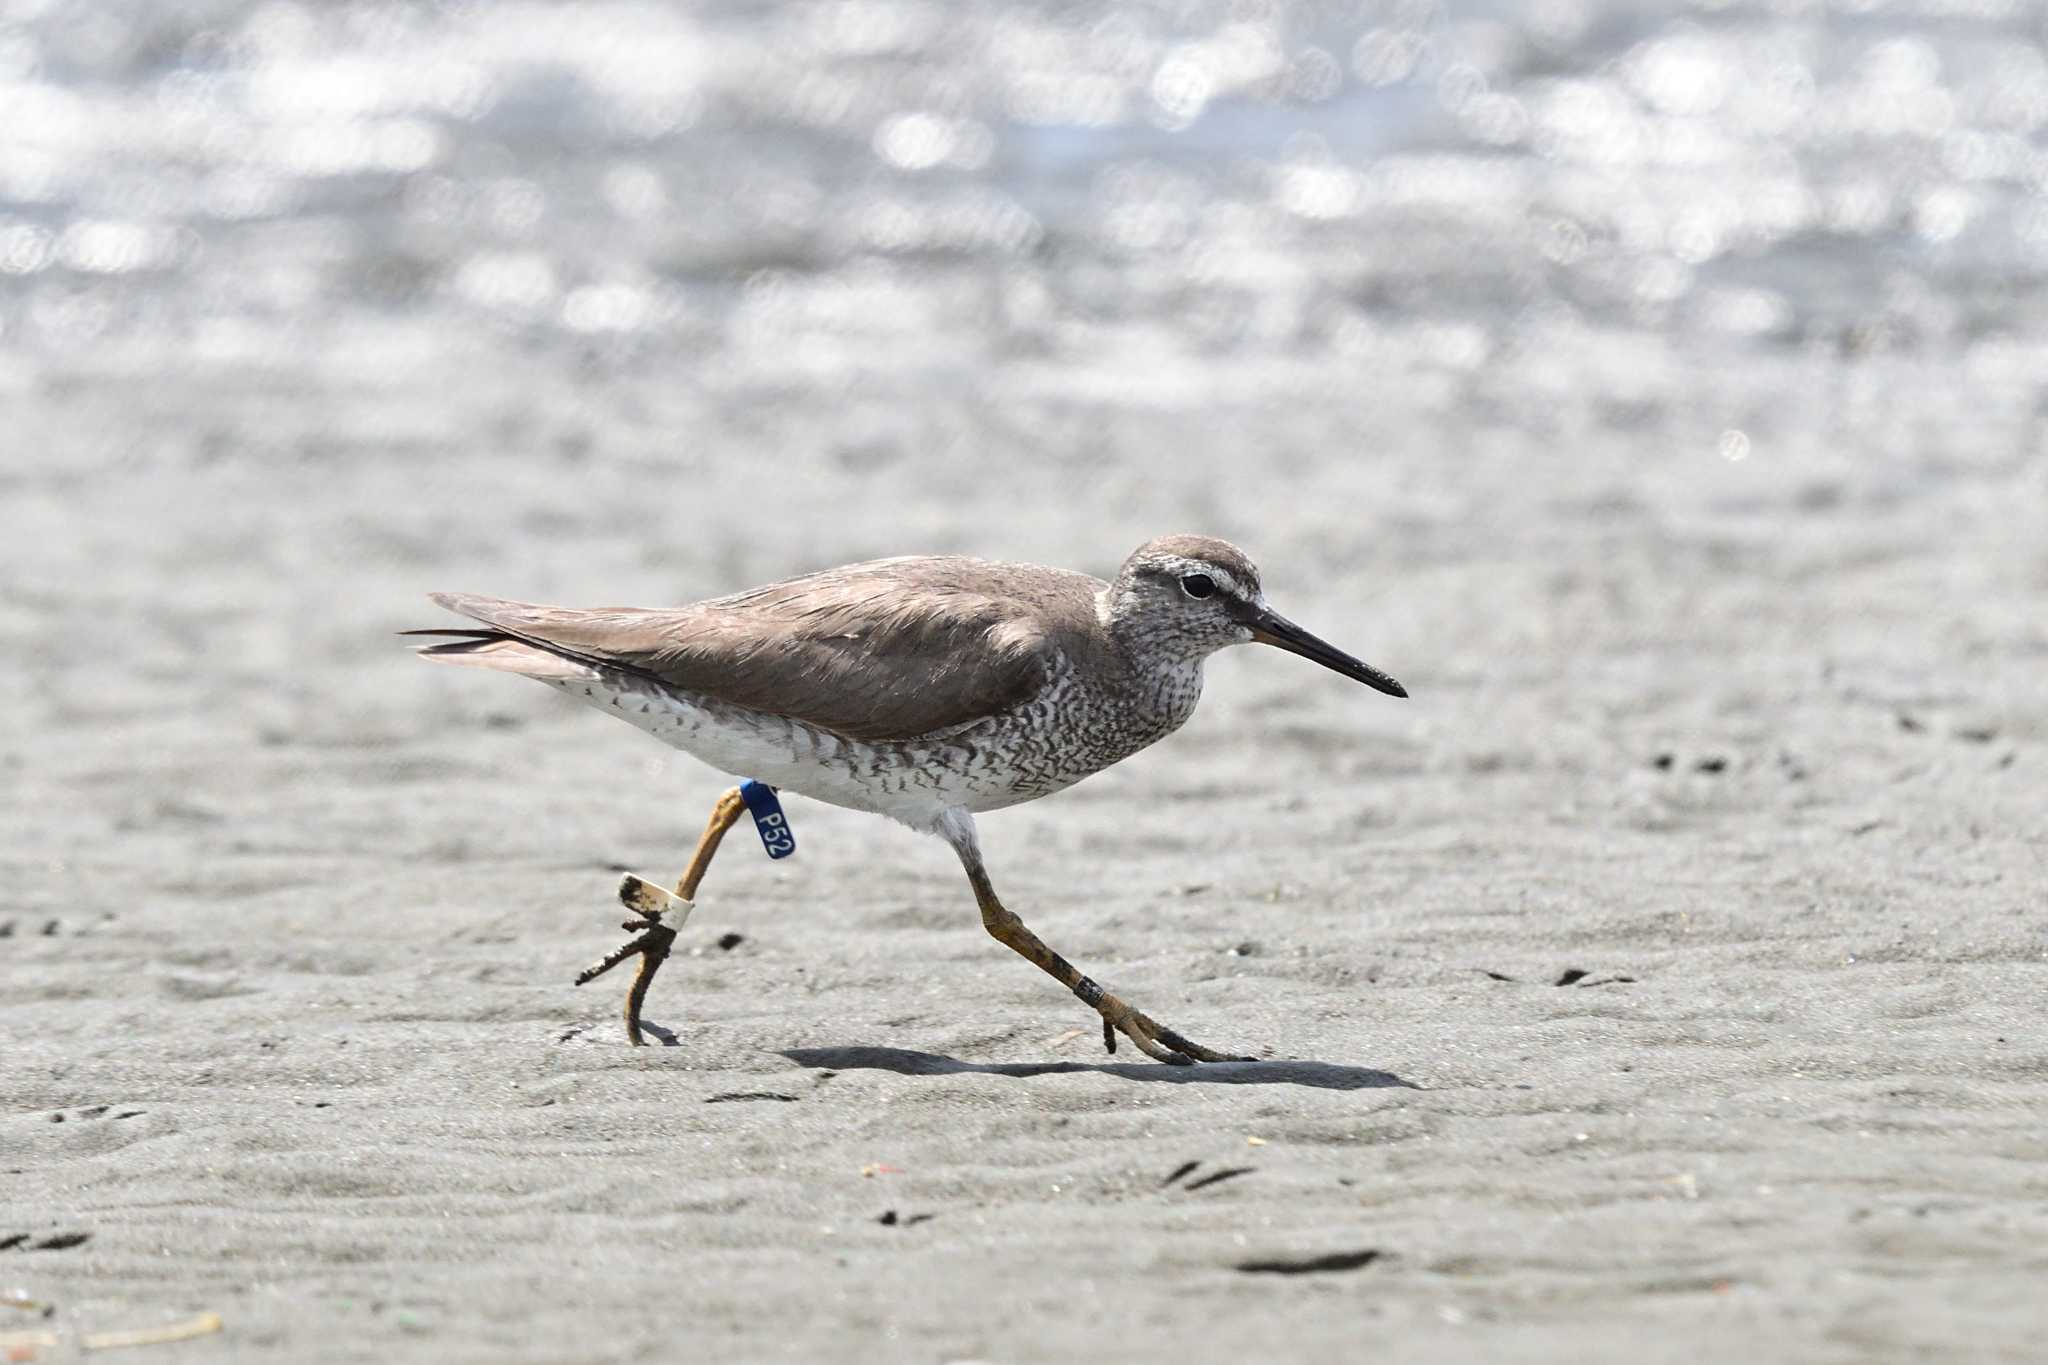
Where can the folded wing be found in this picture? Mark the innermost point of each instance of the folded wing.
(877, 652)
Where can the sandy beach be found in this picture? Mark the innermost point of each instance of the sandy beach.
(1663, 982)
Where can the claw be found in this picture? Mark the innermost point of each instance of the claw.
(661, 912)
(1154, 1039)
(642, 944)
(1194, 1049)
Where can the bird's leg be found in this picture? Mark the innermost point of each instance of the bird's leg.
(1154, 1039)
(656, 937)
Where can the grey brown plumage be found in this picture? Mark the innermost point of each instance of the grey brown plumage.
(884, 651)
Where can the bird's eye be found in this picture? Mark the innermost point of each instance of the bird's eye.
(1198, 585)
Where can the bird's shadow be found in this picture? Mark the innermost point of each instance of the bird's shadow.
(902, 1061)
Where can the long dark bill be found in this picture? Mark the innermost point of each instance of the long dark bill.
(1271, 628)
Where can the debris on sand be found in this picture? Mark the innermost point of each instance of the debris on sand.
(1311, 1265)
(206, 1324)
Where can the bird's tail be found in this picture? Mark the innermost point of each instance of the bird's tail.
(495, 649)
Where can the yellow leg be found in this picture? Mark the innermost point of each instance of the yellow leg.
(1153, 1038)
(724, 816)
(653, 944)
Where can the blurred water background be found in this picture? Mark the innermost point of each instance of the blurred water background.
(1795, 213)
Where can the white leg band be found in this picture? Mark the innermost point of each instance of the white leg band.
(644, 898)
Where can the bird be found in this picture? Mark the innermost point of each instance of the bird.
(929, 689)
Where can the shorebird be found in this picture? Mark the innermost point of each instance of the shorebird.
(928, 689)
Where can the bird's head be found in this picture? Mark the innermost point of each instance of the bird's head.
(1189, 596)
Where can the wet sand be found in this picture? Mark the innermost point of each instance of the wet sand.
(1666, 973)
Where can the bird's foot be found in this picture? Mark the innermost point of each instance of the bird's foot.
(656, 931)
(661, 913)
(1153, 1038)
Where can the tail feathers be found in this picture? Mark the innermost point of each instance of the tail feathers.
(492, 611)
(487, 649)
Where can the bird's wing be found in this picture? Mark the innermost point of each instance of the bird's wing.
(884, 651)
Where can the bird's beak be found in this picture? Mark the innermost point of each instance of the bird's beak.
(1269, 627)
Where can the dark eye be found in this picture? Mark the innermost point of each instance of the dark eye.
(1198, 585)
